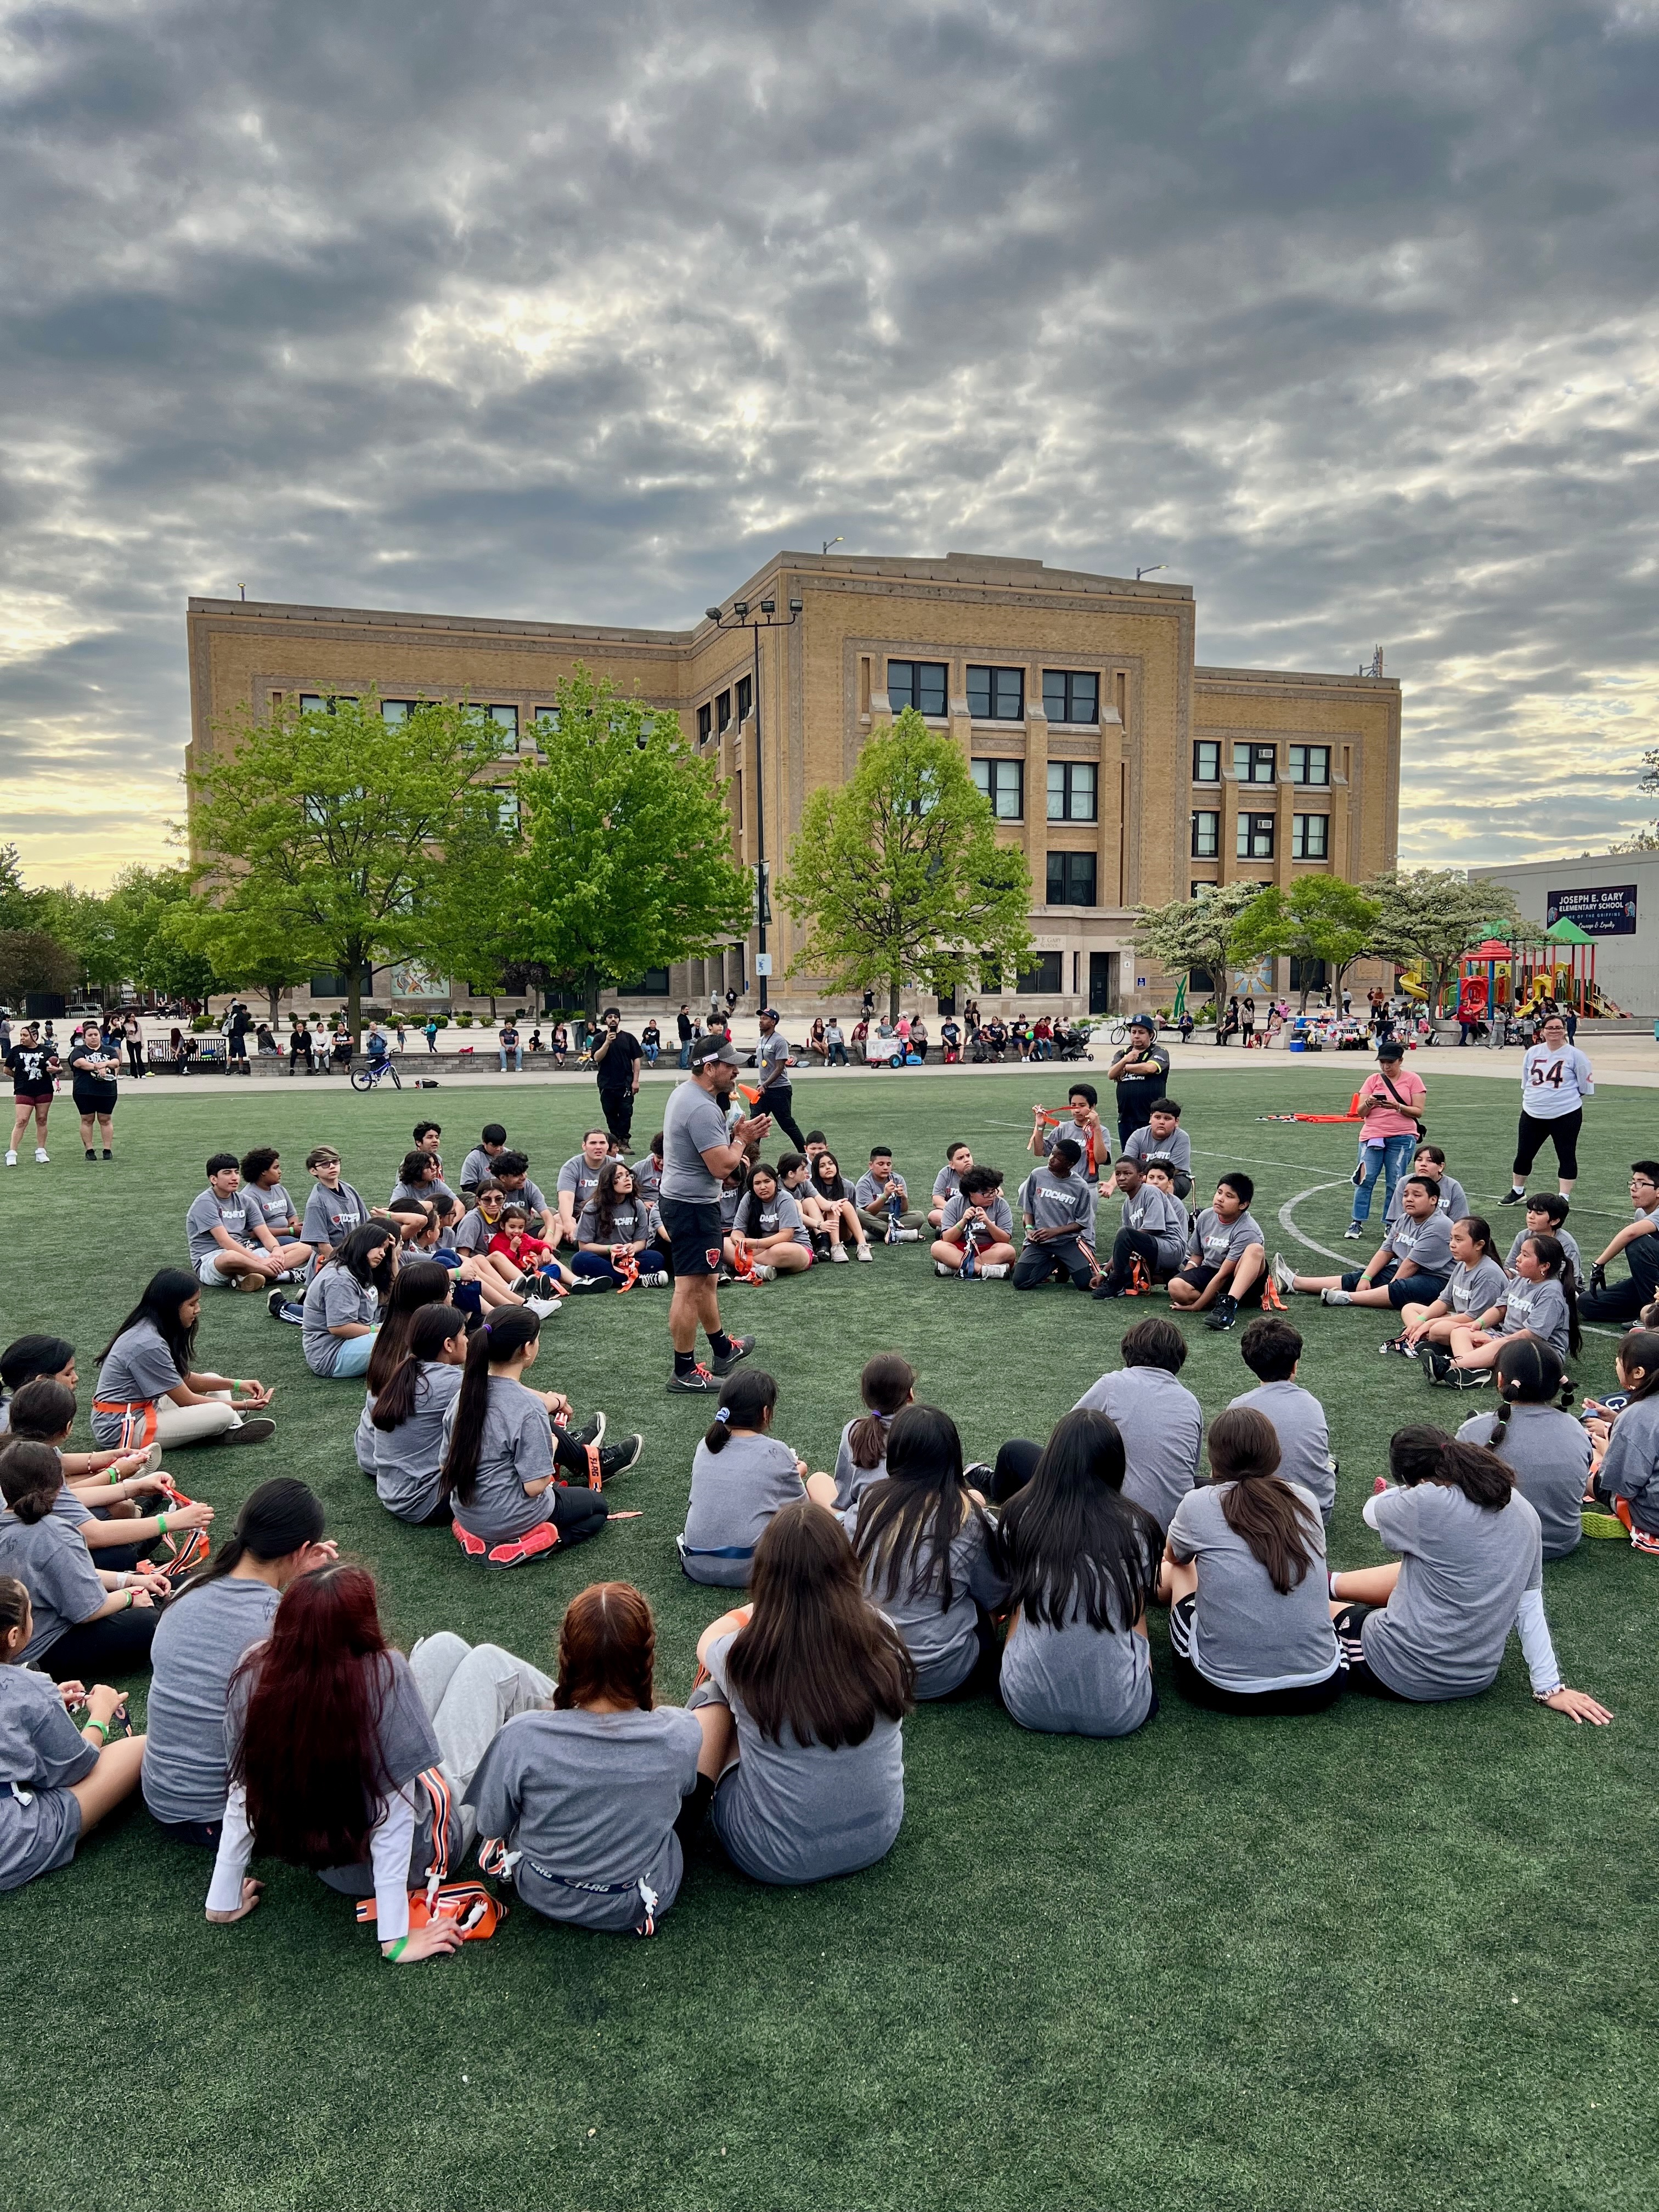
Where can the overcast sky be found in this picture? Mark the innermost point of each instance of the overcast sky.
(1345, 314)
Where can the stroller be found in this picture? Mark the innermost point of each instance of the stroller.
(1073, 1044)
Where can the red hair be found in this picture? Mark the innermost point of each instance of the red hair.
(310, 1758)
(607, 1647)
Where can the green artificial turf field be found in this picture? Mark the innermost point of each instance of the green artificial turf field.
(1384, 1957)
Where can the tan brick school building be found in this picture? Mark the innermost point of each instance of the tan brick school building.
(1127, 772)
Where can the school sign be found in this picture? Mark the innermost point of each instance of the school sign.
(1600, 909)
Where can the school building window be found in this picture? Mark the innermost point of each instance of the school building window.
(918, 683)
(323, 703)
(653, 984)
(1071, 879)
(1206, 834)
(1071, 790)
(396, 710)
(545, 718)
(1003, 782)
(1256, 838)
(330, 986)
(1043, 979)
(1310, 836)
(1254, 763)
(1309, 763)
(506, 720)
(1071, 695)
(745, 696)
(996, 695)
(1207, 761)
(705, 723)
(722, 710)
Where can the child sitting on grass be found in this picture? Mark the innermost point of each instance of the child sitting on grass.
(840, 1217)
(887, 1384)
(741, 1475)
(769, 1236)
(1476, 1283)
(1541, 1299)
(110, 1523)
(1546, 1212)
(1627, 1476)
(976, 1233)
(1271, 1350)
(1537, 1439)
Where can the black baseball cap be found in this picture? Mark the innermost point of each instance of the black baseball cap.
(1390, 1050)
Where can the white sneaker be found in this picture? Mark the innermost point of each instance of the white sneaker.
(939, 1268)
(1284, 1275)
(544, 1307)
(1337, 1297)
(838, 1255)
(42, 1156)
(11, 1159)
(995, 1272)
(653, 1281)
(863, 1253)
(765, 1274)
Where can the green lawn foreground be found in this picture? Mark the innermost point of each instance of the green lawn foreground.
(1384, 1957)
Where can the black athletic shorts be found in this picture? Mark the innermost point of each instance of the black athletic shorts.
(695, 1234)
(1200, 1277)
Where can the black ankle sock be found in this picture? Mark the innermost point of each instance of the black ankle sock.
(720, 1345)
(685, 1362)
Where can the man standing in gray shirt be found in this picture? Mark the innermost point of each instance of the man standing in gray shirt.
(777, 1096)
(698, 1154)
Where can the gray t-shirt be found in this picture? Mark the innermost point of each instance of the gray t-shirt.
(1065, 1202)
(41, 1753)
(407, 1458)
(1094, 1147)
(1550, 1453)
(516, 1447)
(996, 1211)
(209, 1213)
(198, 1645)
(1214, 1242)
(693, 1123)
(633, 1220)
(1247, 1636)
(473, 1232)
(578, 1180)
(1155, 1214)
(1464, 1571)
(945, 1184)
(406, 1196)
(51, 1560)
(1537, 1310)
(276, 1208)
(734, 1493)
(850, 1478)
(1630, 1465)
(1177, 1148)
(779, 1212)
(1569, 1244)
(790, 1812)
(332, 1215)
(1162, 1424)
(942, 1641)
(333, 1298)
(876, 1197)
(138, 1371)
(773, 1052)
(591, 1800)
(1422, 1248)
(1476, 1290)
(542, 1217)
(1305, 1443)
(477, 1168)
(1077, 1681)
(1452, 1202)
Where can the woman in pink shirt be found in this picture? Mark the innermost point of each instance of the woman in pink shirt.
(1391, 1126)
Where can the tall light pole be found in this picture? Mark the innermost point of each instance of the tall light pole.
(766, 617)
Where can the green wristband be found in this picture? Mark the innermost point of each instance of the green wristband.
(102, 1728)
(161, 1524)
(395, 1951)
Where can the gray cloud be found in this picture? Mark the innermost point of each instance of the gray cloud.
(1345, 312)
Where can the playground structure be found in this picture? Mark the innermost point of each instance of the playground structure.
(1507, 975)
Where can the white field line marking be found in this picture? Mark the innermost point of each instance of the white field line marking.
(1290, 1229)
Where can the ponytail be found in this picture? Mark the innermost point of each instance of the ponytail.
(31, 1476)
(746, 1399)
(1553, 1257)
(1256, 1502)
(1529, 1372)
(280, 1516)
(1420, 1454)
(493, 1341)
(885, 1386)
(429, 1331)
(1640, 1349)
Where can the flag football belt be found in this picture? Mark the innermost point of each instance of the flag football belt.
(742, 1261)
(1085, 1139)
(476, 1911)
(628, 1269)
(516, 1551)
(645, 1919)
(139, 1421)
(187, 1547)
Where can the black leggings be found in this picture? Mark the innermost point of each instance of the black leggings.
(101, 1650)
(779, 1102)
(577, 1513)
(1562, 1132)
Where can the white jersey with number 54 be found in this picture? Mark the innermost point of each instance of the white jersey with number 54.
(1555, 1082)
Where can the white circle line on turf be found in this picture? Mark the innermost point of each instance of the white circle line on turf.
(1290, 1229)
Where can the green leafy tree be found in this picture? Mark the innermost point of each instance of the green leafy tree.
(30, 960)
(898, 876)
(20, 908)
(328, 831)
(627, 848)
(83, 925)
(144, 907)
(1198, 933)
(1319, 918)
(1430, 916)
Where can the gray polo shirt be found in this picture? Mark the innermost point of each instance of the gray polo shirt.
(1162, 1424)
(693, 1123)
(1247, 1636)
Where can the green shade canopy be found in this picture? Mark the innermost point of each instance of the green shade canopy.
(1566, 932)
